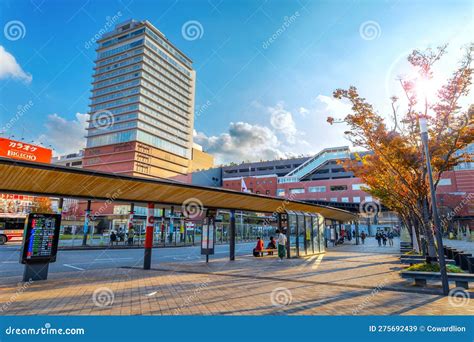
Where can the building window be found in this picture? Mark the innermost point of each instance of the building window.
(317, 188)
(142, 158)
(297, 191)
(445, 181)
(333, 199)
(345, 199)
(144, 149)
(77, 163)
(267, 192)
(281, 192)
(369, 199)
(258, 192)
(357, 186)
(338, 187)
(356, 199)
(143, 168)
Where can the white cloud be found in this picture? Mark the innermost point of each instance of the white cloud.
(303, 111)
(282, 121)
(334, 107)
(9, 68)
(242, 142)
(282, 138)
(66, 136)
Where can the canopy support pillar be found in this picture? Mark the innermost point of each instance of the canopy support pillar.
(232, 236)
(150, 220)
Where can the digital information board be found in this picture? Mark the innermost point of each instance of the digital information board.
(40, 238)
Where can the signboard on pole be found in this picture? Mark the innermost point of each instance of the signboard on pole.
(208, 233)
(40, 239)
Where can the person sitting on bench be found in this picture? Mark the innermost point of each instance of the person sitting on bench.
(257, 251)
(271, 245)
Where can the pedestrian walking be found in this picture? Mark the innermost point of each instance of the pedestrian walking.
(390, 238)
(281, 245)
(121, 235)
(378, 237)
(363, 236)
(113, 238)
(131, 233)
(384, 239)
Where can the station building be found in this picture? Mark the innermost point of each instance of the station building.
(322, 179)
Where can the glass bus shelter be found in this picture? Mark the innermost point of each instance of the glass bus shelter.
(305, 233)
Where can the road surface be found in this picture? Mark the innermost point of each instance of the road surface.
(80, 260)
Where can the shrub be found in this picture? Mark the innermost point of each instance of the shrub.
(434, 267)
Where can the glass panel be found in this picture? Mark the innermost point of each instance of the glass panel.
(321, 233)
(315, 234)
(309, 235)
(301, 235)
(292, 233)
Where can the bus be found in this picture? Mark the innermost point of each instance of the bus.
(11, 228)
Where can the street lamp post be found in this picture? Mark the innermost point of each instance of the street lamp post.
(437, 223)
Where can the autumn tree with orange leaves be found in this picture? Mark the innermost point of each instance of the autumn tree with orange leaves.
(395, 172)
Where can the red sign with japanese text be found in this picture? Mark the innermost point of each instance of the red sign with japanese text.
(22, 151)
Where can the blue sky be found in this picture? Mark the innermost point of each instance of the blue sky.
(265, 69)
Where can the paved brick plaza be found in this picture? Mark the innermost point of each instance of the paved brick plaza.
(347, 280)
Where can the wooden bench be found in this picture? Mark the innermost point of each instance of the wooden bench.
(460, 279)
(462, 260)
(268, 251)
(411, 256)
(412, 261)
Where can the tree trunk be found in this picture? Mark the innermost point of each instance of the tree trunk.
(428, 232)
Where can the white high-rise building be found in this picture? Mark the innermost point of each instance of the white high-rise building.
(142, 104)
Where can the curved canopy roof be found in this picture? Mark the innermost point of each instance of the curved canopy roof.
(59, 181)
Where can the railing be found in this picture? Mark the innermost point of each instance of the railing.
(314, 163)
